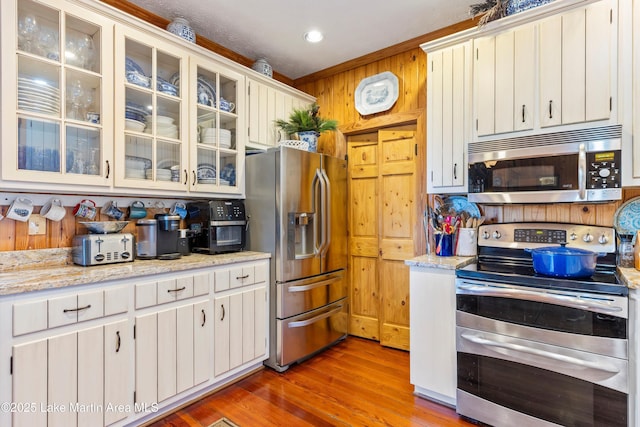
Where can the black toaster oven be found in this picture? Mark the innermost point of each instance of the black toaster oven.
(217, 226)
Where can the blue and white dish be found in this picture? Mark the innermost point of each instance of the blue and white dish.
(206, 171)
(626, 219)
(376, 93)
(460, 204)
(131, 65)
(138, 79)
(206, 93)
(165, 87)
(515, 6)
(228, 173)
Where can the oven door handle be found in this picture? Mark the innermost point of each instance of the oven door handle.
(569, 301)
(542, 353)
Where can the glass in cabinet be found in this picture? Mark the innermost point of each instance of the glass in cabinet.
(57, 103)
(151, 113)
(217, 157)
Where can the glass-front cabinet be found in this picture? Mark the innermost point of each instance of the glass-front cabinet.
(217, 145)
(151, 128)
(55, 80)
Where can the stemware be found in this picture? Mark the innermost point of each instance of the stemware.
(28, 29)
(85, 51)
(76, 95)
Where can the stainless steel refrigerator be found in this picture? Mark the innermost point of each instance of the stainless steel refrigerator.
(296, 203)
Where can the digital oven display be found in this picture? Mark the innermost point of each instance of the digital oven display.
(531, 235)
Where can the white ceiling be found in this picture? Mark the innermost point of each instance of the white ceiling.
(273, 29)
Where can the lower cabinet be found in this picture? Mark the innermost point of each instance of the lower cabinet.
(73, 379)
(119, 353)
(433, 331)
(173, 351)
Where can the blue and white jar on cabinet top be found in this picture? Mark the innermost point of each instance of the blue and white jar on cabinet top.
(181, 28)
(515, 6)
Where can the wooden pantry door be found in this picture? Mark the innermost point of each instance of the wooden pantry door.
(382, 189)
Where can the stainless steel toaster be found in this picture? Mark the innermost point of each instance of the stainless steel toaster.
(98, 249)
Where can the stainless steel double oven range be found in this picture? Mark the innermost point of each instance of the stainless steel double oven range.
(539, 350)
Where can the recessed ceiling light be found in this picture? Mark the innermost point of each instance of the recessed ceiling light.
(313, 36)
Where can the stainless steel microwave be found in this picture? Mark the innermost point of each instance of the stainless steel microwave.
(570, 166)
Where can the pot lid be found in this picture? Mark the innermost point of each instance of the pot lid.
(562, 250)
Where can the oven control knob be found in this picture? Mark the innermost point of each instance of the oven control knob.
(603, 239)
(587, 238)
(496, 234)
(485, 234)
(573, 236)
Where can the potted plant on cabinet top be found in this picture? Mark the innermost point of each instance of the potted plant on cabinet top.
(306, 124)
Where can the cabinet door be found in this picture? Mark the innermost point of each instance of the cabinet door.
(216, 155)
(221, 334)
(167, 354)
(185, 351)
(236, 326)
(117, 369)
(261, 321)
(248, 326)
(146, 371)
(504, 82)
(151, 121)
(202, 341)
(62, 379)
(262, 113)
(550, 71)
(485, 85)
(91, 377)
(600, 60)
(51, 141)
(29, 383)
(524, 77)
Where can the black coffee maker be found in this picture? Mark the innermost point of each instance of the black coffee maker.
(168, 236)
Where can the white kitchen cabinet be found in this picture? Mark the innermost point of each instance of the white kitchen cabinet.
(504, 81)
(240, 328)
(267, 103)
(448, 98)
(55, 72)
(68, 377)
(577, 65)
(433, 331)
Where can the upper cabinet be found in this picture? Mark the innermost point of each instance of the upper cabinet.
(559, 70)
(266, 104)
(101, 102)
(448, 98)
(57, 94)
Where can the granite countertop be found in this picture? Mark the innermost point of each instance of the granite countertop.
(441, 262)
(28, 271)
(630, 277)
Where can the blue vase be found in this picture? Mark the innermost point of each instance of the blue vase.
(311, 138)
(181, 28)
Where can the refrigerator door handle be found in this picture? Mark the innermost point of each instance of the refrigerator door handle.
(326, 214)
(322, 247)
(303, 323)
(316, 188)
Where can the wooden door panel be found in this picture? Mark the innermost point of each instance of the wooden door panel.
(364, 246)
(397, 215)
(363, 161)
(364, 208)
(364, 297)
(394, 288)
(396, 249)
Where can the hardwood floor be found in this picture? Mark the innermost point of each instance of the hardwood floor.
(354, 383)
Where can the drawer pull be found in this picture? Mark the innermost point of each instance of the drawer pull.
(118, 342)
(204, 318)
(242, 277)
(177, 290)
(67, 310)
(222, 318)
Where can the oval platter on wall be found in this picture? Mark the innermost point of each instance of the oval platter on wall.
(376, 93)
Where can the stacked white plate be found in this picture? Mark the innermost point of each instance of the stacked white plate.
(225, 137)
(135, 173)
(38, 95)
(161, 174)
(164, 126)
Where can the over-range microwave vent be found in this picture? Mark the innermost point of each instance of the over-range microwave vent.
(604, 133)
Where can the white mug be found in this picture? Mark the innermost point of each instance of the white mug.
(20, 209)
(53, 210)
(467, 242)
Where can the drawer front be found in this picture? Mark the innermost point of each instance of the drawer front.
(90, 305)
(307, 333)
(166, 291)
(29, 317)
(242, 276)
(146, 294)
(261, 272)
(63, 311)
(222, 280)
(116, 300)
(309, 294)
(184, 287)
(201, 284)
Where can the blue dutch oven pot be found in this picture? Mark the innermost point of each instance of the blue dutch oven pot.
(560, 261)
